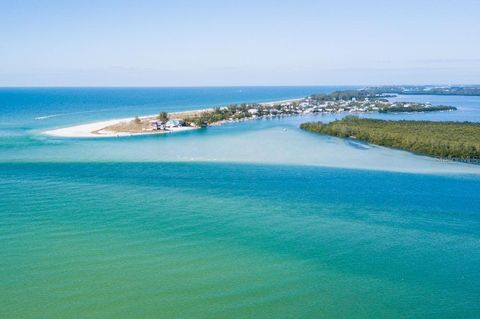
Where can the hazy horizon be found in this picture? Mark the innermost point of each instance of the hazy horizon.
(224, 43)
(224, 86)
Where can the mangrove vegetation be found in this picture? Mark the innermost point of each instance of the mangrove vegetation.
(448, 140)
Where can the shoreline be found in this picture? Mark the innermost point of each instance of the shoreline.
(99, 129)
(451, 141)
(172, 122)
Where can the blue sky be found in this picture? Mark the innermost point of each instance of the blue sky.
(185, 43)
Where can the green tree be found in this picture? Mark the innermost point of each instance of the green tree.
(162, 116)
(452, 140)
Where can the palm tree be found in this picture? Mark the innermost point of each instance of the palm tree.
(163, 116)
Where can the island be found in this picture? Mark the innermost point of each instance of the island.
(446, 140)
(349, 101)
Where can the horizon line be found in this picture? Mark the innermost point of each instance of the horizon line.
(223, 86)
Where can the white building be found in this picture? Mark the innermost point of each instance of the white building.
(174, 123)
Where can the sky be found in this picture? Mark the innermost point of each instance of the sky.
(228, 43)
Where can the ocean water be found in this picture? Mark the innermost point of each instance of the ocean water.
(255, 219)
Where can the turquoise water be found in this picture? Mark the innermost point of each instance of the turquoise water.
(254, 219)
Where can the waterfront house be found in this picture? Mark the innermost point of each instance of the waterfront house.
(157, 125)
(174, 123)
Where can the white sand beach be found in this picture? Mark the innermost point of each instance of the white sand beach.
(86, 130)
(100, 129)
(97, 129)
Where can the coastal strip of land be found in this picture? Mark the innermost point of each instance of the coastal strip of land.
(351, 101)
(446, 140)
(86, 130)
(121, 127)
(465, 90)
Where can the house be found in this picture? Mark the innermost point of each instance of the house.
(157, 125)
(174, 123)
(310, 110)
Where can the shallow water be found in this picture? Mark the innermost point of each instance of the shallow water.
(218, 240)
(253, 219)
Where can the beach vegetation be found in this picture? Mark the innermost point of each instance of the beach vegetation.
(163, 116)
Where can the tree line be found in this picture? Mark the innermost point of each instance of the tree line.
(449, 140)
